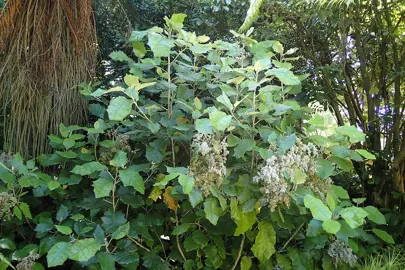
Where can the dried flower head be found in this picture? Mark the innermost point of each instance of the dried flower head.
(277, 176)
(27, 262)
(7, 202)
(341, 252)
(6, 158)
(208, 162)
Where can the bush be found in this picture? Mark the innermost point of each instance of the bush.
(200, 158)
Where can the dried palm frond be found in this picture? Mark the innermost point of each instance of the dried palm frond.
(47, 47)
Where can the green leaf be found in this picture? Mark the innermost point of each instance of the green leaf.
(299, 176)
(286, 144)
(331, 226)
(102, 187)
(352, 132)
(89, 168)
(384, 236)
(278, 47)
(99, 234)
(119, 108)
(176, 21)
(285, 76)
(159, 44)
(107, 143)
(62, 213)
(354, 216)
(58, 254)
(375, 215)
(339, 192)
(264, 242)
(154, 262)
(17, 212)
(220, 120)
(318, 210)
(6, 243)
(131, 177)
(64, 229)
(25, 209)
(121, 231)
(112, 220)
(245, 222)
(366, 154)
(325, 169)
(204, 126)
(120, 159)
(67, 154)
(212, 210)
(52, 185)
(83, 250)
(138, 49)
(97, 110)
(154, 127)
(156, 150)
(187, 183)
(244, 146)
(180, 229)
(225, 101)
(120, 56)
(245, 263)
(5, 261)
(106, 260)
(68, 143)
(195, 197)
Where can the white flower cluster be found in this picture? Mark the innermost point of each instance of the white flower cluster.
(277, 175)
(341, 252)
(208, 162)
(27, 262)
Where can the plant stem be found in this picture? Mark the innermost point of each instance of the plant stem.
(169, 91)
(240, 252)
(291, 238)
(137, 243)
(177, 239)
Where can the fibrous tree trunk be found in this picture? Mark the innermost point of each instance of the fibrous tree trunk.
(47, 48)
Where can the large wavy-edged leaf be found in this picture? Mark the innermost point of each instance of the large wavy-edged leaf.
(251, 15)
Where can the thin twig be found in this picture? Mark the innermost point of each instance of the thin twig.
(239, 253)
(291, 238)
(137, 243)
(177, 239)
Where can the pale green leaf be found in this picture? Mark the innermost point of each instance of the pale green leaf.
(83, 250)
(121, 231)
(131, 177)
(119, 108)
(120, 159)
(354, 216)
(264, 242)
(159, 44)
(366, 154)
(103, 187)
(286, 76)
(220, 120)
(375, 215)
(64, 229)
(187, 183)
(58, 254)
(318, 210)
(89, 168)
(331, 226)
(384, 236)
(212, 210)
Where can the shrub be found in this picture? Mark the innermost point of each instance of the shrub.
(200, 158)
